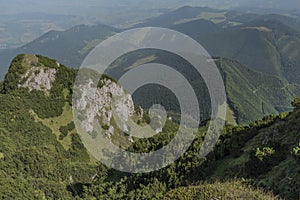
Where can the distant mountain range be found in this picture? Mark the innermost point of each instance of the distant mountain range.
(267, 43)
(251, 94)
(69, 47)
(260, 48)
(18, 29)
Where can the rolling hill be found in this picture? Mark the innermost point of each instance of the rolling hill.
(261, 43)
(69, 47)
(251, 94)
(265, 45)
(197, 28)
(183, 14)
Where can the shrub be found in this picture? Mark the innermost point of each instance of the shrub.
(296, 103)
(264, 153)
(64, 130)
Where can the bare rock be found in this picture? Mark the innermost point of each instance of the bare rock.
(102, 103)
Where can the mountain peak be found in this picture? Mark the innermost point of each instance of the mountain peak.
(34, 72)
(37, 76)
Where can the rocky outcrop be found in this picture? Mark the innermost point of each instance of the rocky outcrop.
(107, 104)
(101, 104)
(38, 78)
(140, 112)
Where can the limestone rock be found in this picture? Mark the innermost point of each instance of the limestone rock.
(38, 78)
(102, 103)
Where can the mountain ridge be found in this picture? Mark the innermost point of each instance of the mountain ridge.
(43, 156)
(68, 47)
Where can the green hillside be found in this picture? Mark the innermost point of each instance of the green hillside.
(183, 14)
(42, 156)
(266, 152)
(263, 155)
(251, 94)
(198, 28)
(266, 45)
(51, 131)
(35, 163)
(250, 46)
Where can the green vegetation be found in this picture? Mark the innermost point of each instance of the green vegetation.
(42, 156)
(240, 153)
(296, 103)
(265, 44)
(296, 153)
(47, 62)
(64, 130)
(13, 76)
(34, 164)
(264, 153)
(231, 190)
(251, 94)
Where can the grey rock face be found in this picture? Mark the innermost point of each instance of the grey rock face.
(38, 78)
(103, 104)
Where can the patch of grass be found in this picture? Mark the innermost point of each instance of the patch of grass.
(55, 123)
(119, 138)
(182, 21)
(141, 61)
(28, 60)
(233, 190)
(216, 17)
(230, 118)
(230, 23)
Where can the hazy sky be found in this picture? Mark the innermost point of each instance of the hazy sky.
(84, 6)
